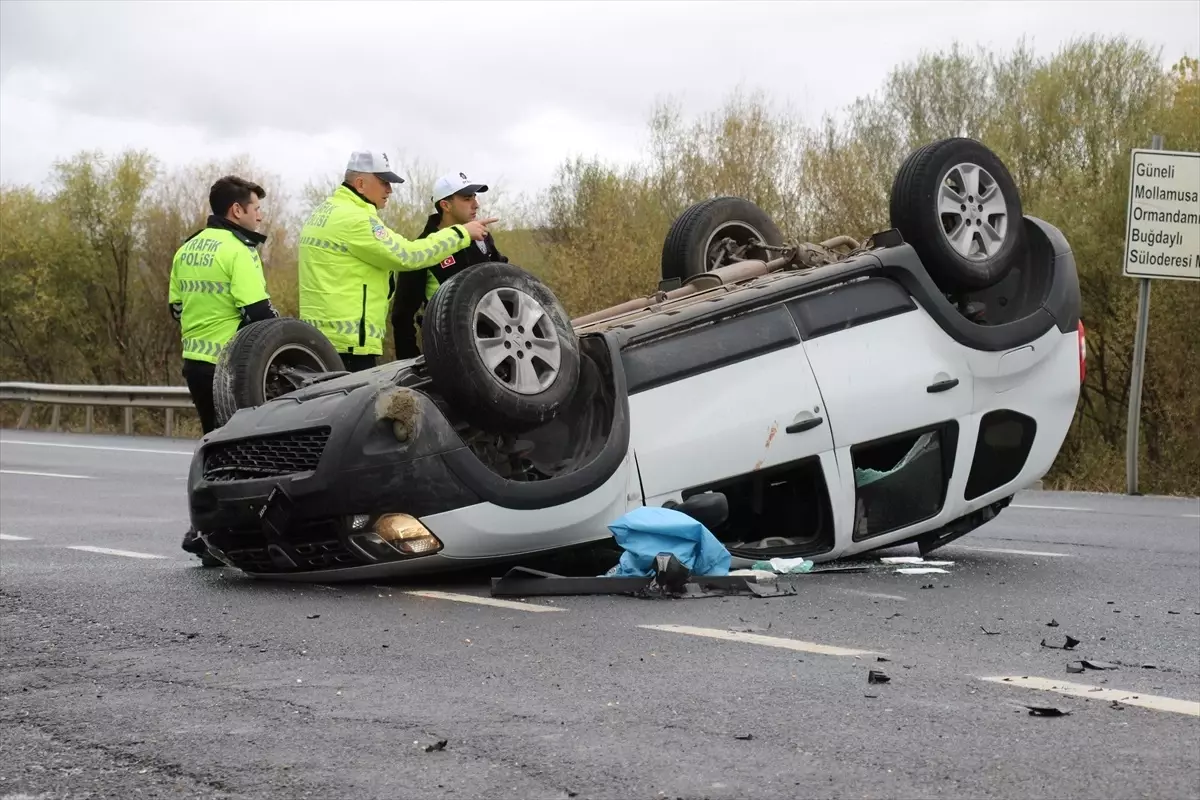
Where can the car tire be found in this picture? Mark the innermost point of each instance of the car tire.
(688, 248)
(955, 202)
(247, 376)
(498, 310)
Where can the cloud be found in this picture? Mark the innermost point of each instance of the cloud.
(496, 89)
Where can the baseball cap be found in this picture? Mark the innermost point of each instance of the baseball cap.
(453, 184)
(375, 162)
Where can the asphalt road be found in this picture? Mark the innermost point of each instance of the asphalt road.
(130, 671)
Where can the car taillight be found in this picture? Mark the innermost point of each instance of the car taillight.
(1082, 338)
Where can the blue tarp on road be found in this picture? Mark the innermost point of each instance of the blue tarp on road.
(647, 531)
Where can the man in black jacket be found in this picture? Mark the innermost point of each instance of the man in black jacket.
(454, 203)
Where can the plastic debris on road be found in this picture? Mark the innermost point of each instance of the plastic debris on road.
(647, 531)
(784, 566)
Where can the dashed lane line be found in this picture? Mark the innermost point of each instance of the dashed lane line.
(482, 601)
(45, 474)
(878, 595)
(767, 641)
(1051, 508)
(8, 537)
(106, 551)
(1150, 701)
(98, 447)
(1018, 552)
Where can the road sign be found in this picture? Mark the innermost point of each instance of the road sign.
(1162, 234)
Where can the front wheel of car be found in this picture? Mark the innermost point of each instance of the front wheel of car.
(268, 359)
(955, 202)
(500, 348)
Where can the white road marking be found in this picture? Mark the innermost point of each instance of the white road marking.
(880, 595)
(45, 474)
(110, 552)
(1053, 508)
(1190, 516)
(1018, 552)
(98, 447)
(482, 601)
(7, 537)
(768, 641)
(1083, 690)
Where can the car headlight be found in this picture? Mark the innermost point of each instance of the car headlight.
(406, 534)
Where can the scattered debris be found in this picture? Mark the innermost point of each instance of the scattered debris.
(915, 560)
(440, 744)
(871, 696)
(1075, 667)
(786, 566)
(745, 737)
(1176, 613)
(1052, 623)
(1046, 711)
(989, 633)
(1069, 645)
(1098, 665)
(877, 676)
(882, 659)
(1116, 706)
(313, 616)
(920, 570)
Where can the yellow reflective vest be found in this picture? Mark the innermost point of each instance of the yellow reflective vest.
(347, 256)
(214, 275)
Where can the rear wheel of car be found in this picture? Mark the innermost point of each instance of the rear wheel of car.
(717, 232)
(500, 348)
(955, 202)
(268, 359)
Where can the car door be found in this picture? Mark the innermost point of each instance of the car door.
(896, 389)
(722, 400)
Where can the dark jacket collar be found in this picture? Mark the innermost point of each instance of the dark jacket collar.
(247, 237)
(431, 225)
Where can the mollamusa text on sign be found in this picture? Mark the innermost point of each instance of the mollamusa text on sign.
(1163, 235)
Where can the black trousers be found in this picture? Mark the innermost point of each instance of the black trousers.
(357, 363)
(199, 377)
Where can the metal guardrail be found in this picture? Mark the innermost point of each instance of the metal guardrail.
(58, 395)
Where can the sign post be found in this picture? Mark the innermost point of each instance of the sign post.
(1162, 240)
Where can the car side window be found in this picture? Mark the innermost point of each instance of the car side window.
(848, 306)
(707, 347)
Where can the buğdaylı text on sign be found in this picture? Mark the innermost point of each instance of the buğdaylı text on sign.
(1162, 235)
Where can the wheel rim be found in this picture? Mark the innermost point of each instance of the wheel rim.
(973, 212)
(741, 234)
(517, 341)
(287, 368)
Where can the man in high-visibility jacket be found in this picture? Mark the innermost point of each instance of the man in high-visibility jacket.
(347, 257)
(216, 287)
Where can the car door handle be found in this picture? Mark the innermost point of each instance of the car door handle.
(804, 425)
(942, 386)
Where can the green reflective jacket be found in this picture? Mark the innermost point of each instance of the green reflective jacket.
(214, 275)
(346, 257)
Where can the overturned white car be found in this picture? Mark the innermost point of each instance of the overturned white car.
(814, 400)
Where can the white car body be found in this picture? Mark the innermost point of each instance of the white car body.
(853, 354)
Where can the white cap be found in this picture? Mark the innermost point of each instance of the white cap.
(375, 162)
(453, 184)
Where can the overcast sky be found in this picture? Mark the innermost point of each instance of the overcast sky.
(502, 90)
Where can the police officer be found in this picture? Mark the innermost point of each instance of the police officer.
(454, 203)
(348, 257)
(217, 286)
